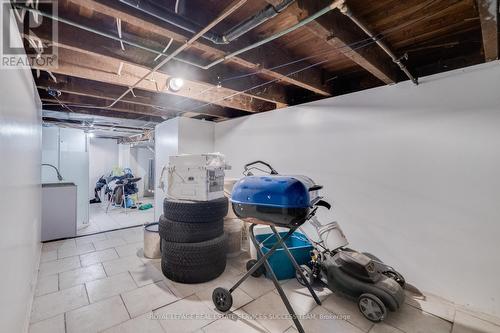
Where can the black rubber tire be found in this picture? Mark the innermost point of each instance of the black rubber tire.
(222, 298)
(195, 211)
(259, 271)
(308, 274)
(194, 262)
(380, 311)
(183, 232)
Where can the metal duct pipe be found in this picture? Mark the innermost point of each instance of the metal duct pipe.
(344, 9)
(190, 26)
(172, 18)
(249, 24)
(332, 6)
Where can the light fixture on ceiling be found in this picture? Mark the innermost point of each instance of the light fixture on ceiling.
(91, 134)
(175, 84)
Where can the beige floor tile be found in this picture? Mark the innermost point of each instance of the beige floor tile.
(256, 287)
(97, 316)
(80, 276)
(148, 298)
(128, 250)
(238, 322)
(300, 297)
(111, 286)
(88, 229)
(56, 303)
(143, 324)
(291, 329)
(133, 235)
(240, 262)
(89, 239)
(114, 234)
(58, 266)
(52, 246)
(486, 317)
(50, 325)
(48, 256)
(269, 311)
(146, 274)
(432, 304)
(108, 243)
(323, 321)
(412, 320)
(467, 323)
(384, 328)
(75, 251)
(343, 306)
(120, 265)
(183, 290)
(98, 256)
(186, 315)
(46, 285)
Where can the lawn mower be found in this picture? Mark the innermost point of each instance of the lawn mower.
(359, 276)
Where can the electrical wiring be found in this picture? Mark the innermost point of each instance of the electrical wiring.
(379, 36)
(367, 40)
(353, 46)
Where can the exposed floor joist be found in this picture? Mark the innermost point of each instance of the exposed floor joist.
(309, 79)
(95, 43)
(92, 66)
(155, 102)
(344, 36)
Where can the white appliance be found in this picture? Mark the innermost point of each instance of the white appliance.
(198, 177)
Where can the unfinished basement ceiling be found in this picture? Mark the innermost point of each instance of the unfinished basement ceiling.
(327, 57)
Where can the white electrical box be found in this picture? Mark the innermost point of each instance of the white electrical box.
(197, 177)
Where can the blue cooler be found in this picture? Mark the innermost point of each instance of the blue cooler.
(298, 245)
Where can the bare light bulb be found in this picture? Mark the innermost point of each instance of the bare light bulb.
(175, 84)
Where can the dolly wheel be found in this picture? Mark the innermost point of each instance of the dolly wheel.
(308, 275)
(222, 299)
(260, 271)
(372, 307)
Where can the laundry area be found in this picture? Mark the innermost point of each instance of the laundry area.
(270, 166)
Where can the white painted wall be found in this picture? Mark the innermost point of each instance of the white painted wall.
(140, 157)
(196, 136)
(124, 155)
(20, 195)
(413, 172)
(103, 157)
(166, 144)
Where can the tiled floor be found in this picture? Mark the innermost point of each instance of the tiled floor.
(103, 283)
(115, 218)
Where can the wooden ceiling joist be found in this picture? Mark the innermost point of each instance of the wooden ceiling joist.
(309, 79)
(101, 45)
(108, 93)
(488, 14)
(342, 34)
(92, 66)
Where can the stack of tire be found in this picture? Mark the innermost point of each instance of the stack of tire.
(193, 243)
